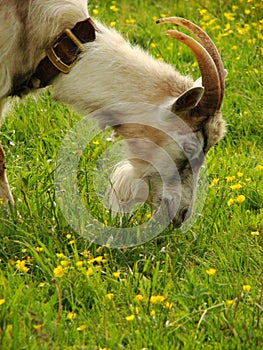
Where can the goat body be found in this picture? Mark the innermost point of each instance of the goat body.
(110, 72)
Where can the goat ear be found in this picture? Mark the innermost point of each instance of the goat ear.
(188, 100)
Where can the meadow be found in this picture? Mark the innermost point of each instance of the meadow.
(200, 288)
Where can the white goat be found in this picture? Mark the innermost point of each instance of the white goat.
(101, 69)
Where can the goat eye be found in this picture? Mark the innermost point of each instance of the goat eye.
(189, 149)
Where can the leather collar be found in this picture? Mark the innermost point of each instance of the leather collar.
(60, 57)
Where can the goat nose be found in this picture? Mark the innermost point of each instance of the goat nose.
(184, 215)
(179, 219)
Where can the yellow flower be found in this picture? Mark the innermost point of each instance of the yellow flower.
(153, 46)
(168, 305)
(38, 326)
(71, 315)
(259, 167)
(58, 271)
(138, 297)
(230, 178)
(254, 233)
(81, 328)
(152, 313)
(230, 202)
(247, 12)
(95, 12)
(246, 288)
(230, 302)
(230, 16)
(211, 272)
(97, 142)
(116, 274)
(68, 236)
(130, 317)
(114, 8)
(79, 264)
(90, 271)
(20, 266)
(112, 24)
(130, 21)
(39, 249)
(203, 12)
(240, 199)
(157, 299)
(214, 182)
(109, 296)
(41, 285)
(236, 187)
(60, 255)
(2, 301)
(239, 174)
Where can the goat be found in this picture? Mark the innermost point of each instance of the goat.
(104, 70)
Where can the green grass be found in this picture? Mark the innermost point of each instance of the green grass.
(90, 301)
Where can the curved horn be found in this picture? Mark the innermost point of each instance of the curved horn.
(208, 44)
(210, 78)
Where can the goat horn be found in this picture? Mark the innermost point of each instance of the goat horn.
(207, 43)
(210, 78)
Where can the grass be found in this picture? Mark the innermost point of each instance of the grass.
(60, 291)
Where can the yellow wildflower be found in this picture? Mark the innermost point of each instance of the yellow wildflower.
(236, 187)
(2, 301)
(211, 272)
(230, 202)
(113, 24)
(58, 271)
(71, 315)
(254, 233)
(230, 16)
(152, 313)
(38, 326)
(39, 249)
(214, 182)
(130, 21)
(114, 8)
(79, 264)
(247, 12)
(41, 285)
(168, 305)
(81, 328)
(157, 299)
(259, 167)
(116, 274)
(109, 296)
(230, 178)
(130, 317)
(20, 266)
(246, 288)
(239, 174)
(68, 236)
(138, 297)
(240, 199)
(90, 271)
(95, 12)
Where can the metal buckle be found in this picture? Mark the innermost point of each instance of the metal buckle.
(56, 60)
